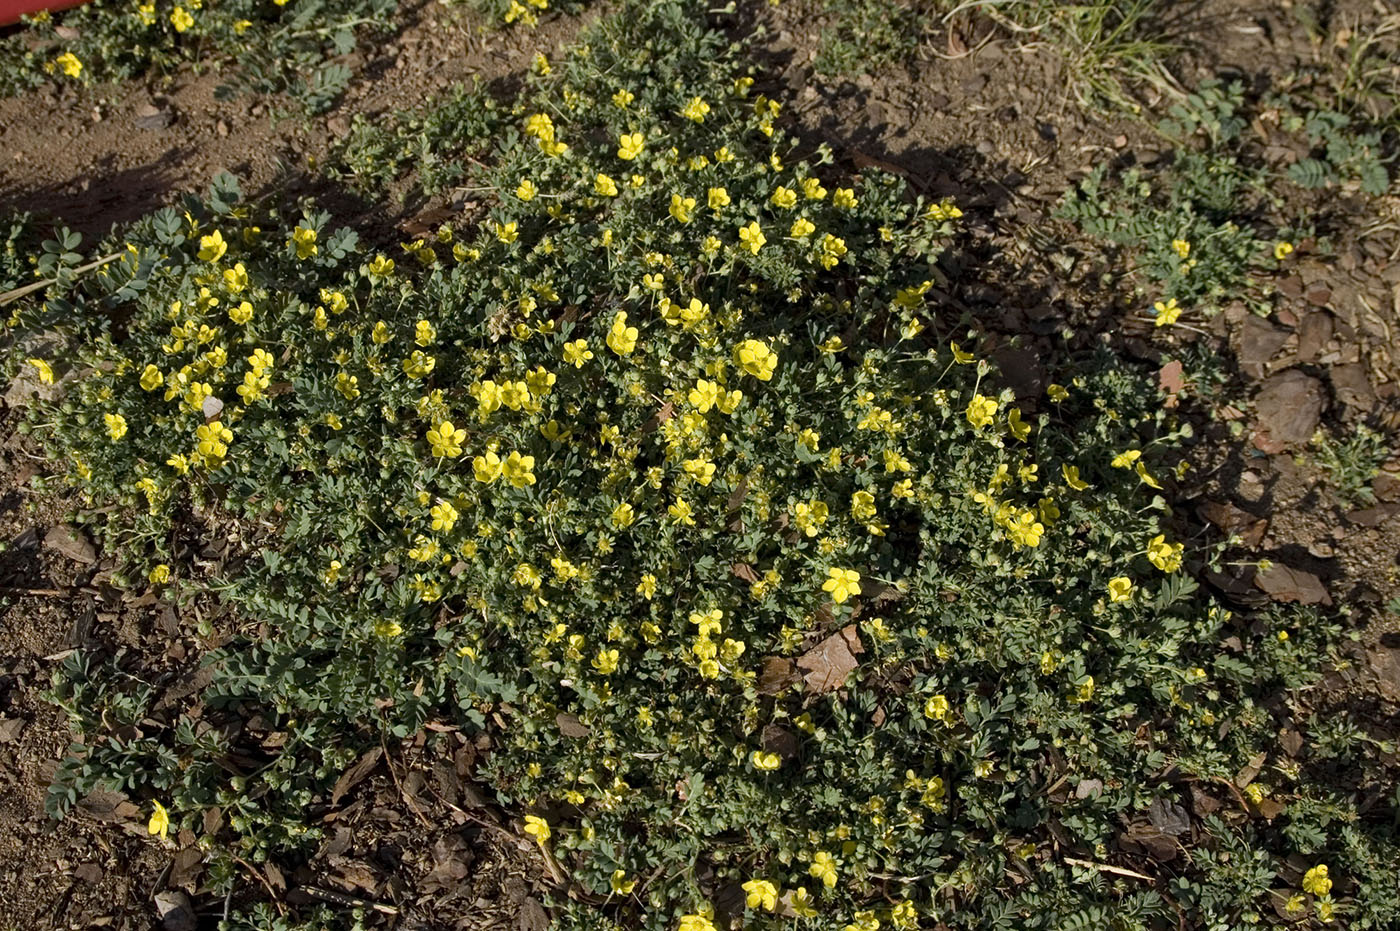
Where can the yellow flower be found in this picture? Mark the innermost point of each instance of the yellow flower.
(801, 903)
(629, 146)
(236, 278)
(756, 358)
(937, 708)
(620, 884)
(116, 426)
(783, 197)
(695, 110)
(1085, 690)
(647, 586)
(751, 237)
(1071, 474)
(761, 893)
(1125, 459)
(624, 515)
(519, 470)
(1181, 247)
(46, 372)
(1146, 476)
(242, 313)
(961, 357)
(1057, 393)
(813, 189)
(823, 867)
(69, 64)
(424, 333)
(181, 19)
(538, 828)
(681, 512)
(446, 440)
(444, 516)
(842, 584)
(1282, 250)
(508, 232)
(1316, 881)
(304, 239)
(606, 662)
(160, 821)
(622, 98)
(1120, 589)
(212, 247)
(622, 339)
(159, 575)
(862, 505)
(1167, 313)
(604, 185)
(681, 208)
(717, 198)
(801, 228)
(844, 198)
(380, 267)
(701, 470)
(577, 353)
(981, 410)
(1165, 556)
(695, 923)
(1019, 428)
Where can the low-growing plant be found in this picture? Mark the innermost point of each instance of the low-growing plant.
(862, 36)
(296, 47)
(1183, 232)
(668, 477)
(1352, 461)
(430, 141)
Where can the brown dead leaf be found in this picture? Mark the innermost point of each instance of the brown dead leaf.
(1235, 521)
(744, 571)
(667, 411)
(1169, 377)
(570, 726)
(830, 663)
(780, 740)
(777, 675)
(1251, 771)
(108, 806)
(1282, 583)
(355, 775)
(1290, 740)
(1270, 809)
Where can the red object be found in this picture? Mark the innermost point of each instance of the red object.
(12, 10)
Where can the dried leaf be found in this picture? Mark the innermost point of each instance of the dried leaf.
(744, 571)
(355, 775)
(829, 663)
(1170, 379)
(1251, 771)
(570, 726)
(1282, 583)
(777, 674)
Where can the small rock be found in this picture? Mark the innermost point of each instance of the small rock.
(150, 116)
(1352, 386)
(1386, 486)
(221, 128)
(1385, 666)
(70, 542)
(1260, 340)
(1287, 410)
(1313, 333)
(175, 911)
